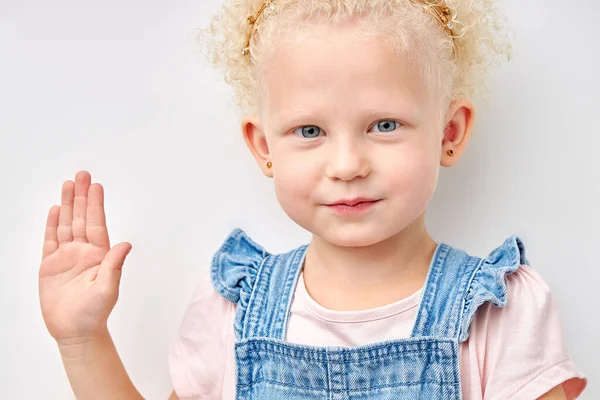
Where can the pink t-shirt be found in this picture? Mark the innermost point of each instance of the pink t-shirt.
(515, 352)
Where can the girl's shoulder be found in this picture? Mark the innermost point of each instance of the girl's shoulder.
(489, 280)
(196, 355)
(519, 348)
(514, 331)
(235, 265)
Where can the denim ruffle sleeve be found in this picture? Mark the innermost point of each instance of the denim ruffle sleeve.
(234, 268)
(488, 282)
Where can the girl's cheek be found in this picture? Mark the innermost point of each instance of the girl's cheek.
(417, 173)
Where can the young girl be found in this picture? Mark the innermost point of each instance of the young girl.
(351, 107)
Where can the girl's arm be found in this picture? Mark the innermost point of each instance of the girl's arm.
(79, 279)
(555, 394)
(95, 370)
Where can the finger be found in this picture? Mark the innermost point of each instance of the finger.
(96, 230)
(50, 238)
(82, 183)
(109, 274)
(65, 219)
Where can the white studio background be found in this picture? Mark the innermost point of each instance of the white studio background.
(115, 88)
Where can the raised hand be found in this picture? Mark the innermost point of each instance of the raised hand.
(79, 274)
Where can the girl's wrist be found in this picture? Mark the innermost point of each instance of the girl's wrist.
(95, 370)
(79, 347)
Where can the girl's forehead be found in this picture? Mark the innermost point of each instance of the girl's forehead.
(331, 68)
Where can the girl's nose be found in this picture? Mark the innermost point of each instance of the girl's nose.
(347, 159)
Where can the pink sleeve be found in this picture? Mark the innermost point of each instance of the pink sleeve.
(197, 357)
(518, 352)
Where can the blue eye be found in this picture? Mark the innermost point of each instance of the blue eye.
(386, 125)
(309, 131)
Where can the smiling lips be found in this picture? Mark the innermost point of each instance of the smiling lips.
(352, 207)
(353, 202)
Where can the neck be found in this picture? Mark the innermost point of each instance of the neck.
(374, 275)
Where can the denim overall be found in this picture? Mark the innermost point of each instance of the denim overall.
(422, 366)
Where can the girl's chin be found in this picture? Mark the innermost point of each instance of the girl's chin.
(351, 237)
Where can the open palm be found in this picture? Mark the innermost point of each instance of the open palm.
(79, 274)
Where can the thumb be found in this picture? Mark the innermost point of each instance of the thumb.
(109, 274)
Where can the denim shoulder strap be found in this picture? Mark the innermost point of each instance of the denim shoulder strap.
(268, 311)
(458, 283)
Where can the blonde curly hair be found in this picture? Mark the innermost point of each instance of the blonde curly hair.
(411, 31)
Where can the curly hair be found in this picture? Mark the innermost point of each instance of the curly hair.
(411, 31)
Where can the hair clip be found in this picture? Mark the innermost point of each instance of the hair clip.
(253, 20)
(445, 16)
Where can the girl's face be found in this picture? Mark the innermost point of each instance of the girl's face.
(343, 118)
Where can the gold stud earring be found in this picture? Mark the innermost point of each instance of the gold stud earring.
(450, 152)
(269, 164)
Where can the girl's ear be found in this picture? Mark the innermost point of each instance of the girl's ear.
(257, 142)
(457, 131)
